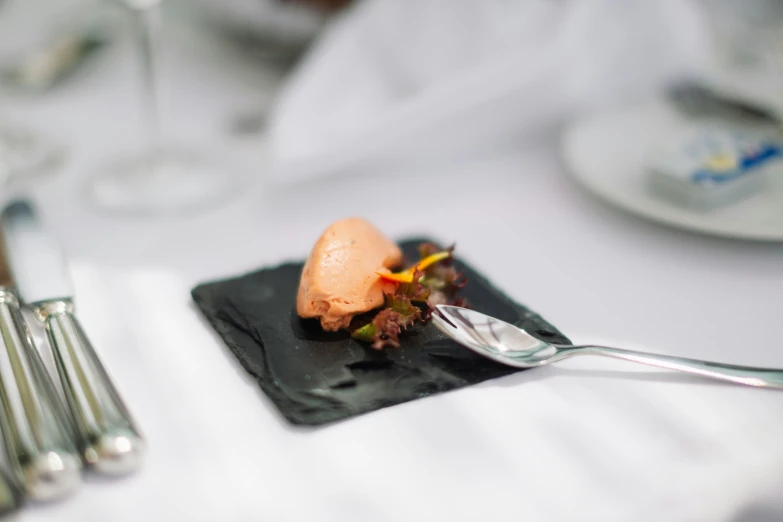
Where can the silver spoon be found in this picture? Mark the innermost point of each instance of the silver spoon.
(512, 346)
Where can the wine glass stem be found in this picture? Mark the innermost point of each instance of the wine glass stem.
(146, 22)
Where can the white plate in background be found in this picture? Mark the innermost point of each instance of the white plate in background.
(606, 154)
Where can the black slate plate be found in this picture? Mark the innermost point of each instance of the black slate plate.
(315, 377)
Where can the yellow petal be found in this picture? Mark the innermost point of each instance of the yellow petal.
(397, 277)
(406, 276)
(429, 261)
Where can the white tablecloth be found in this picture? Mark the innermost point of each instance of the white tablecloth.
(587, 440)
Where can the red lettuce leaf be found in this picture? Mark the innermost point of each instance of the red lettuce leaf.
(412, 303)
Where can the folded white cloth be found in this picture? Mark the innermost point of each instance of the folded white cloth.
(394, 79)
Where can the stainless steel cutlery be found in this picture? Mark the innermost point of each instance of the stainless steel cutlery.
(11, 496)
(37, 434)
(47, 444)
(513, 346)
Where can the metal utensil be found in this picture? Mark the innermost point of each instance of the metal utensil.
(108, 438)
(36, 430)
(11, 496)
(512, 346)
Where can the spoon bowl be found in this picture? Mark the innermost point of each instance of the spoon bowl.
(493, 338)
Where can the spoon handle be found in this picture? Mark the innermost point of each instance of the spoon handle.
(759, 377)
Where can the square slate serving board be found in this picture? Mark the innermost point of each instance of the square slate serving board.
(316, 377)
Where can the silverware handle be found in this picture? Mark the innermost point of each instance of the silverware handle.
(109, 440)
(11, 495)
(748, 375)
(36, 431)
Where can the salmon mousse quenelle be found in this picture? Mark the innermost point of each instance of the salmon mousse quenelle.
(354, 279)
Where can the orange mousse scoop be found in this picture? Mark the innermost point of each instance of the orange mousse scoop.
(340, 277)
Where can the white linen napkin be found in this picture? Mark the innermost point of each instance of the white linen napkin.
(627, 443)
(395, 79)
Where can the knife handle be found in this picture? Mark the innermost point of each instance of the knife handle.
(36, 431)
(109, 440)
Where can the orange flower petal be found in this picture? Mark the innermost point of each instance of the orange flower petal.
(429, 261)
(397, 277)
(406, 276)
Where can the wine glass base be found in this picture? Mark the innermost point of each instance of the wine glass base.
(170, 183)
(24, 153)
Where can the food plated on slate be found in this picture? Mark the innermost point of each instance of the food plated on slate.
(347, 283)
(323, 367)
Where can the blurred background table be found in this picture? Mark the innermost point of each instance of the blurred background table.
(586, 440)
